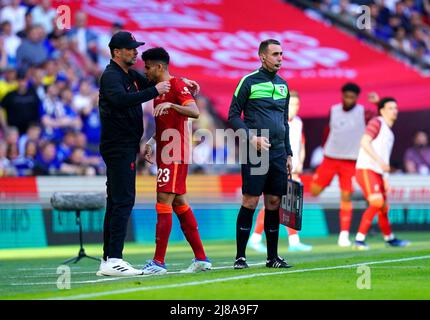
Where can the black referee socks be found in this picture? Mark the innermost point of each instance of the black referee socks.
(243, 229)
(271, 229)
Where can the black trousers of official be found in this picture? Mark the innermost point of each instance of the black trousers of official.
(121, 193)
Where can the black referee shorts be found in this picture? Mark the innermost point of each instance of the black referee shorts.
(273, 182)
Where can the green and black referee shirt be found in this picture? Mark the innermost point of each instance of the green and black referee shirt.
(263, 97)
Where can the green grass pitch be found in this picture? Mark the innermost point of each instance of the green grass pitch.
(328, 272)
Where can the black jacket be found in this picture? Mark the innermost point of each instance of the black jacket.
(22, 109)
(263, 97)
(121, 116)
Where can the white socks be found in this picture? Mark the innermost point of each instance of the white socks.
(255, 237)
(293, 239)
(360, 237)
(344, 235)
(389, 237)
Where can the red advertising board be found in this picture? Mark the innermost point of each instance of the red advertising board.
(23, 187)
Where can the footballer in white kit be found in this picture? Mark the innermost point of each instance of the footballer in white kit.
(373, 164)
(347, 124)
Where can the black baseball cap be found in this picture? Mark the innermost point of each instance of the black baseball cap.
(124, 39)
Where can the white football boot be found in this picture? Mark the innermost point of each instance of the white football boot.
(117, 268)
(198, 265)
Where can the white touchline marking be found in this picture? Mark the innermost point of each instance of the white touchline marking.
(76, 267)
(195, 283)
(43, 269)
(48, 274)
(400, 267)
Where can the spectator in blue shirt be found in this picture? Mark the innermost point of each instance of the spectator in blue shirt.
(46, 161)
(66, 146)
(77, 164)
(91, 125)
(24, 164)
(56, 116)
(32, 51)
(33, 133)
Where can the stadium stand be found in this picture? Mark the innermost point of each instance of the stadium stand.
(399, 26)
(49, 92)
(49, 78)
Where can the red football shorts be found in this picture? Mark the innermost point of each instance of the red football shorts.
(345, 169)
(171, 178)
(370, 182)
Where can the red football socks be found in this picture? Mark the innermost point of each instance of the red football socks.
(366, 220)
(384, 223)
(162, 233)
(190, 230)
(345, 215)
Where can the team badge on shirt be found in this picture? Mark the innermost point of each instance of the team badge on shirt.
(185, 91)
(282, 89)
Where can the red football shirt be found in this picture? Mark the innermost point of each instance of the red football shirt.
(172, 126)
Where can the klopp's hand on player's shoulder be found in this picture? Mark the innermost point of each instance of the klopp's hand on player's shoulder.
(193, 86)
(158, 110)
(163, 87)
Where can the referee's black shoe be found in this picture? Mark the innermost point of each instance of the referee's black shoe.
(277, 262)
(240, 263)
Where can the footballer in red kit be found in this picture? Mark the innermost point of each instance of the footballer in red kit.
(346, 126)
(171, 112)
(172, 153)
(373, 167)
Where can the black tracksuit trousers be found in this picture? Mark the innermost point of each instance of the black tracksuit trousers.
(121, 193)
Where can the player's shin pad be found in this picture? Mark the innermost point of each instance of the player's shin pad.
(290, 212)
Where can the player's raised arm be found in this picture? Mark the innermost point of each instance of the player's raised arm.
(189, 110)
(185, 104)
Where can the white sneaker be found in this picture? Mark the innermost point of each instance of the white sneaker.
(117, 268)
(343, 240)
(154, 267)
(198, 265)
(102, 265)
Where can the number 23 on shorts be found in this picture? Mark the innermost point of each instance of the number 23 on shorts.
(163, 175)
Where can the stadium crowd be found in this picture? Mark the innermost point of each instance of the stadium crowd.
(49, 121)
(405, 24)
